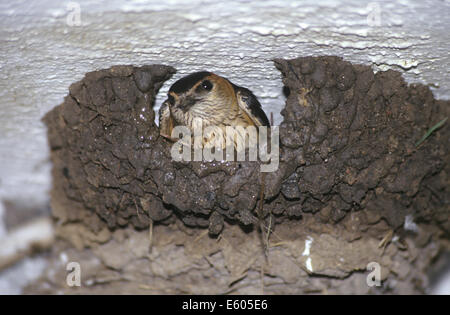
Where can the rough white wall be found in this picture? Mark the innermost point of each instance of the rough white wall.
(42, 53)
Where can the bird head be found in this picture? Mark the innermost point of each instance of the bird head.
(200, 92)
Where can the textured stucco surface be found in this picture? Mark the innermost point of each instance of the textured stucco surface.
(41, 55)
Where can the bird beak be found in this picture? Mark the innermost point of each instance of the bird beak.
(187, 103)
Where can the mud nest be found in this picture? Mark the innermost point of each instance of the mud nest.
(347, 144)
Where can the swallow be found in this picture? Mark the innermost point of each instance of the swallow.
(213, 99)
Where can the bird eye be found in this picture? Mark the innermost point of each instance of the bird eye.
(171, 99)
(207, 85)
